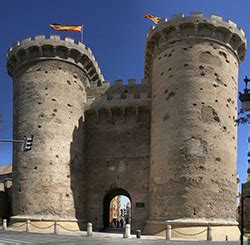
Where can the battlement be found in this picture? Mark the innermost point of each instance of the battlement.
(196, 26)
(122, 94)
(40, 48)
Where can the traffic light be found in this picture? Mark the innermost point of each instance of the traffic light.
(27, 143)
(121, 212)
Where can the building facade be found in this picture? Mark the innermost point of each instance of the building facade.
(167, 143)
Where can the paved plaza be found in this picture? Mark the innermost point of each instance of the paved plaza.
(12, 237)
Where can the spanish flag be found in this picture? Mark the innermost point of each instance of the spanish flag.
(153, 18)
(72, 28)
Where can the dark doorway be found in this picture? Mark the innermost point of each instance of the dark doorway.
(122, 205)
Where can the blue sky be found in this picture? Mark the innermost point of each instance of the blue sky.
(115, 30)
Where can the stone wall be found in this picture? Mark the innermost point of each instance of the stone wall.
(117, 151)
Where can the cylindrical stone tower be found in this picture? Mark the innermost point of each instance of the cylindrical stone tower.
(50, 77)
(192, 63)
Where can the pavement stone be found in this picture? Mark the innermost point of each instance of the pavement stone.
(13, 237)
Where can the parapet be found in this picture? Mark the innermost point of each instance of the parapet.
(40, 48)
(121, 94)
(196, 26)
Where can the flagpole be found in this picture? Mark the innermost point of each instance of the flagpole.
(82, 34)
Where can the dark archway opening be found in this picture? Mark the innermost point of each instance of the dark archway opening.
(114, 197)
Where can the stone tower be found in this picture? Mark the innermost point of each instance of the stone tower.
(192, 64)
(50, 81)
(168, 144)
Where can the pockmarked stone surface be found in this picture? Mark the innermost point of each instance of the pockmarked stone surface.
(168, 143)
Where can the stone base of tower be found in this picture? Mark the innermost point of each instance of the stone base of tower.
(195, 229)
(46, 224)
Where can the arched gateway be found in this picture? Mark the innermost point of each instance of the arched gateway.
(170, 141)
(107, 201)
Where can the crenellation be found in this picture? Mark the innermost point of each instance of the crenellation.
(33, 49)
(196, 14)
(194, 26)
(54, 37)
(28, 39)
(90, 51)
(163, 150)
(118, 83)
(70, 40)
(232, 24)
(120, 95)
(216, 18)
(131, 82)
(39, 37)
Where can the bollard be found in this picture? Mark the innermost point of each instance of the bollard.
(89, 229)
(27, 225)
(168, 232)
(55, 228)
(138, 233)
(209, 233)
(127, 231)
(5, 224)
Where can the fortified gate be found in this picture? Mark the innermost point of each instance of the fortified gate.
(168, 143)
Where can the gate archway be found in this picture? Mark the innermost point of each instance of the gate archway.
(106, 203)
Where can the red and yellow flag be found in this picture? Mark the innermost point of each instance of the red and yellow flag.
(73, 28)
(153, 18)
